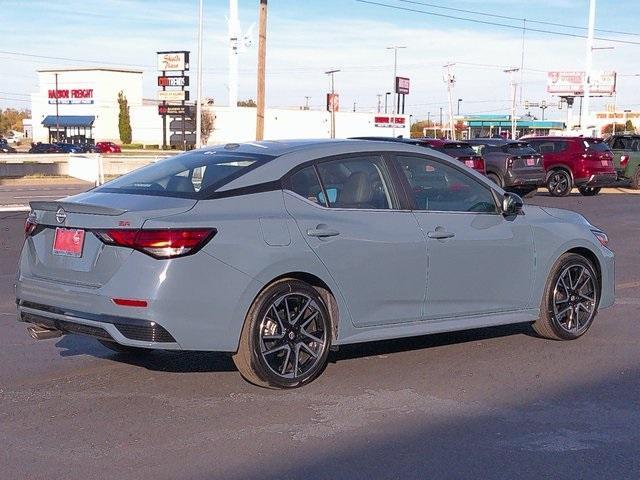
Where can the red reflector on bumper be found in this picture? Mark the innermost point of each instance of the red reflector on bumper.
(129, 302)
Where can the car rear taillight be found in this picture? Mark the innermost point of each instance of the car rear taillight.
(624, 159)
(509, 162)
(30, 226)
(477, 163)
(169, 243)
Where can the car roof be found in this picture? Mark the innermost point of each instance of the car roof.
(288, 154)
(494, 141)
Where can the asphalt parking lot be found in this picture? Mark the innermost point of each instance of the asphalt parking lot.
(494, 403)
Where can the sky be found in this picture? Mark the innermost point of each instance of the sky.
(305, 38)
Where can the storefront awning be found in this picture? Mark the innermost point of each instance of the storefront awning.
(68, 120)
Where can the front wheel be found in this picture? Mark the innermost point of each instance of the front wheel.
(286, 336)
(559, 183)
(570, 300)
(589, 191)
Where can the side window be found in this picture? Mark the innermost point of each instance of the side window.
(439, 187)
(560, 146)
(356, 183)
(306, 184)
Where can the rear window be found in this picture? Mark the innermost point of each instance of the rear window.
(189, 175)
(459, 149)
(519, 149)
(596, 146)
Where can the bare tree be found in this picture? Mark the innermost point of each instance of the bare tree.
(208, 125)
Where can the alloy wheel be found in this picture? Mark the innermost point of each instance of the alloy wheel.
(292, 335)
(574, 299)
(559, 184)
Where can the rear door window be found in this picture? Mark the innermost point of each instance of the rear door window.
(359, 182)
(519, 149)
(189, 175)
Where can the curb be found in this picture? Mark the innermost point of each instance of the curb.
(15, 208)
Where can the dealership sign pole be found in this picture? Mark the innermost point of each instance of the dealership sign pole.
(199, 81)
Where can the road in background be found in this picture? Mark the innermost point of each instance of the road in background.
(497, 403)
(22, 194)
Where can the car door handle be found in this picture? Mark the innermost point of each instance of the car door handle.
(322, 232)
(440, 234)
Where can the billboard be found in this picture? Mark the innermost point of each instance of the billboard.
(173, 95)
(571, 84)
(333, 102)
(173, 61)
(402, 85)
(176, 110)
(164, 81)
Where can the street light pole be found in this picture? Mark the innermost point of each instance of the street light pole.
(450, 80)
(332, 104)
(396, 102)
(514, 88)
(587, 74)
(199, 81)
(459, 100)
(386, 96)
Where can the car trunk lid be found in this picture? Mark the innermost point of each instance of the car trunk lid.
(88, 212)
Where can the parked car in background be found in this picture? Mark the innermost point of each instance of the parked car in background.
(583, 162)
(69, 147)
(459, 150)
(89, 148)
(511, 164)
(108, 147)
(5, 147)
(283, 250)
(44, 148)
(626, 157)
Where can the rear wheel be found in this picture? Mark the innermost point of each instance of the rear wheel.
(495, 179)
(635, 181)
(570, 301)
(559, 183)
(589, 191)
(116, 347)
(286, 336)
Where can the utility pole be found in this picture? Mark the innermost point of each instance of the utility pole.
(332, 103)
(589, 60)
(57, 113)
(379, 101)
(262, 54)
(450, 80)
(514, 88)
(524, 29)
(396, 96)
(199, 81)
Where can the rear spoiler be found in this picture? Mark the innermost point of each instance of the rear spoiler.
(72, 207)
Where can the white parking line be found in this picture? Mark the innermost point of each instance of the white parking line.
(15, 208)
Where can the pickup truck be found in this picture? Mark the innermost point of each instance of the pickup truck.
(626, 157)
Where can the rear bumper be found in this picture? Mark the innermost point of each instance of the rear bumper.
(597, 180)
(523, 178)
(123, 330)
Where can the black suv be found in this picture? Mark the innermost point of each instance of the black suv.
(512, 164)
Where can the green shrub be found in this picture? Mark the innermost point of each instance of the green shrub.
(131, 146)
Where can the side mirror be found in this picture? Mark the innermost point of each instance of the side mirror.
(511, 204)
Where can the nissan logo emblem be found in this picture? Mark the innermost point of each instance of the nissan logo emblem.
(61, 215)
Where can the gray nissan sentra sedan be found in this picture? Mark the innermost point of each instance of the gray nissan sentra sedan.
(279, 251)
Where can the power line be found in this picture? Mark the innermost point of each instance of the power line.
(506, 17)
(496, 24)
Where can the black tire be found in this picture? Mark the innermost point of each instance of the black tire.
(559, 183)
(589, 191)
(555, 322)
(635, 181)
(270, 338)
(495, 178)
(116, 347)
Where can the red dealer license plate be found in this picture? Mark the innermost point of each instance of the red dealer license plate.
(68, 242)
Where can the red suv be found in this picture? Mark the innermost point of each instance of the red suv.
(108, 147)
(583, 162)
